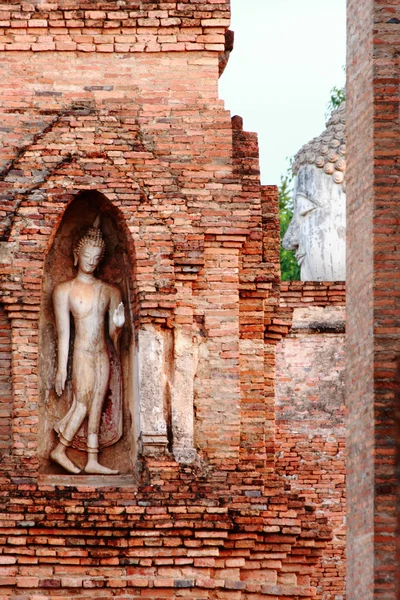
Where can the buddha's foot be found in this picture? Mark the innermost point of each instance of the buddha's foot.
(59, 456)
(95, 468)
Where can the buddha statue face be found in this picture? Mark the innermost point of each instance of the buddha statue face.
(89, 258)
(317, 232)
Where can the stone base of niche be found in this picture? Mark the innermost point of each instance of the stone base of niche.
(96, 481)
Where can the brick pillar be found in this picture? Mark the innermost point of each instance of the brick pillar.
(373, 296)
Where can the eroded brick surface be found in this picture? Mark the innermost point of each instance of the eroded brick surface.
(310, 415)
(5, 382)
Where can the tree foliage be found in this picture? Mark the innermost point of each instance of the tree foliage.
(337, 96)
(290, 270)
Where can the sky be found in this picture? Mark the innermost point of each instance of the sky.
(287, 57)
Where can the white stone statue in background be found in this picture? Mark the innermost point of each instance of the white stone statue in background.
(317, 232)
(88, 300)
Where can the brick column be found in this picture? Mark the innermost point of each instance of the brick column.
(373, 296)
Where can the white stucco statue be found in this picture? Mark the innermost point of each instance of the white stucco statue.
(89, 300)
(317, 232)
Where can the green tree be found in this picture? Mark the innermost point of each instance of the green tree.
(337, 96)
(290, 270)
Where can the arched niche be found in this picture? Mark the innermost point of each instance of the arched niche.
(118, 443)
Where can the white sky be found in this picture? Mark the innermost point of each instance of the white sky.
(288, 55)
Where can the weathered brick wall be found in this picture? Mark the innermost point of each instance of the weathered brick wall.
(94, 541)
(297, 294)
(310, 414)
(5, 383)
(131, 26)
(360, 438)
(258, 277)
(373, 307)
(121, 104)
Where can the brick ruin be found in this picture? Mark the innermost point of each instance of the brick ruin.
(236, 490)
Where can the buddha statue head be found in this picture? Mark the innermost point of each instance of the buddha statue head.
(317, 232)
(92, 243)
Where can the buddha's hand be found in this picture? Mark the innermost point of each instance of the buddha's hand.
(119, 315)
(61, 377)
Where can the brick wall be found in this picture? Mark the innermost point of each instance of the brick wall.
(5, 383)
(310, 414)
(297, 294)
(134, 26)
(373, 310)
(360, 468)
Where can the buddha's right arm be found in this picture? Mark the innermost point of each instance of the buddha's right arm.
(61, 310)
